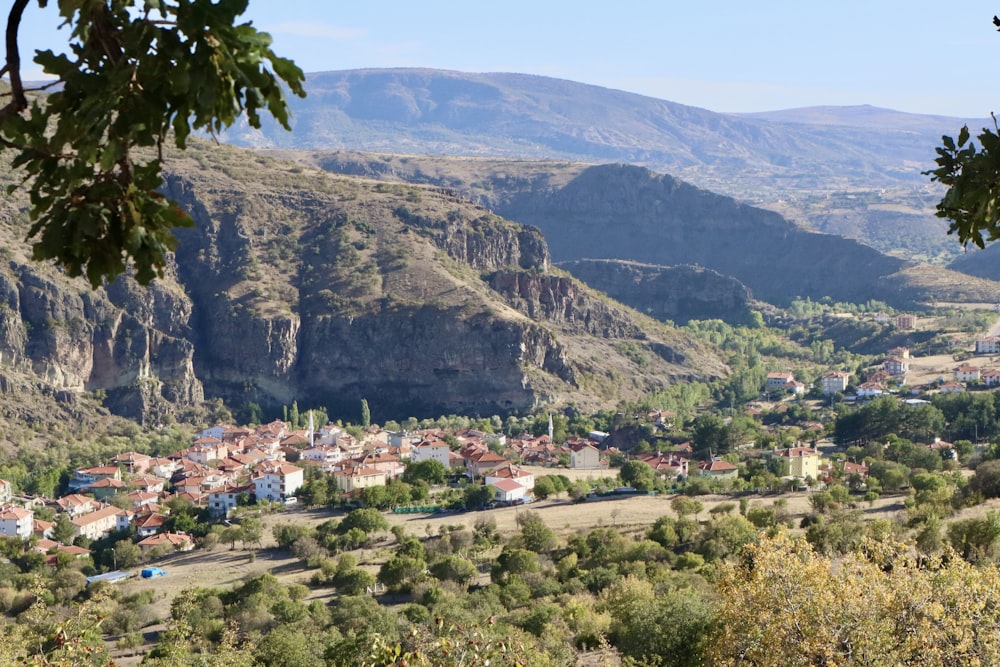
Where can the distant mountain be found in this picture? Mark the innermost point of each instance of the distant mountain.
(854, 171)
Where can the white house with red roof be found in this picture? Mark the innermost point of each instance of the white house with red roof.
(991, 377)
(967, 373)
(507, 490)
(276, 480)
(988, 345)
(16, 521)
(76, 505)
(431, 450)
(510, 471)
(871, 389)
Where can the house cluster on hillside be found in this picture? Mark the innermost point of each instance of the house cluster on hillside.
(226, 465)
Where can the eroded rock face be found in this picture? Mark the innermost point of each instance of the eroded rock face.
(329, 292)
(675, 293)
(131, 342)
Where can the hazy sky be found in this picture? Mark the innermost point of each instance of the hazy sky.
(922, 56)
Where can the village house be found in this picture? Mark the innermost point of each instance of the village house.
(584, 456)
(324, 456)
(215, 432)
(147, 483)
(989, 345)
(896, 366)
(431, 450)
(718, 469)
(221, 502)
(967, 373)
(355, 479)
(171, 541)
(871, 389)
(802, 461)
(508, 491)
(16, 521)
(134, 463)
(479, 463)
(75, 505)
(163, 467)
(106, 488)
(906, 322)
(951, 387)
(42, 529)
(834, 382)
(387, 463)
(666, 466)
(84, 477)
(990, 377)
(140, 498)
(519, 475)
(276, 481)
(783, 381)
(851, 468)
(147, 525)
(97, 524)
(6, 491)
(206, 450)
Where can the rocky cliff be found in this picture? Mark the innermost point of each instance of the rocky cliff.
(675, 293)
(297, 285)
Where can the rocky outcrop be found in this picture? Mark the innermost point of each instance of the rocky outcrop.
(130, 342)
(296, 285)
(676, 293)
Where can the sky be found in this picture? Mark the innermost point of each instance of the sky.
(921, 56)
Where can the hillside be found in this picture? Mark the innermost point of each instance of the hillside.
(854, 171)
(299, 285)
(630, 213)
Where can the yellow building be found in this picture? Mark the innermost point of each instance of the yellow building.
(802, 461)
(359, 478)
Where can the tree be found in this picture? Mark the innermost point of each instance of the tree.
(639, 475)
(251, 531)
(784, 605)
(63, 531)
(367, 520)
(137, 75)
(535, 535)
(477, 495)
(366, 413)
(970, 173)
(428, 470)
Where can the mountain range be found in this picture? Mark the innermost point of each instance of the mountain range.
(852, 171)
(461, 272)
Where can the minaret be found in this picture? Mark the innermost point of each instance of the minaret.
(550, 426)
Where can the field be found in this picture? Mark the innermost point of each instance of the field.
(223, 567)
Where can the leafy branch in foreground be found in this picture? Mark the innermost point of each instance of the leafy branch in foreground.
(136, 71)
(972, 176)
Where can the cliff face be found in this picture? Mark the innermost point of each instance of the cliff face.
(676, 293)
(132, 343)
(296, 285)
